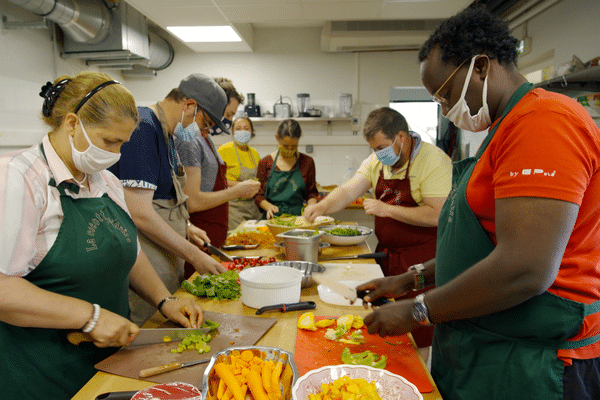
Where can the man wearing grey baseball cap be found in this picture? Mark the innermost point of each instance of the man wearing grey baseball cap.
(206, 187)
(153, 178)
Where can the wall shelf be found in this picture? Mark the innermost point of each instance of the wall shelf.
(301, 120)
(574, 84)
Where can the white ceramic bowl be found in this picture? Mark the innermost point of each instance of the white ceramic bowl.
(340, 240)
(268, 285)
(389, 386)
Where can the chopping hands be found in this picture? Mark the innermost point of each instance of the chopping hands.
(185, 312)
(203, 262)
(270, 209)
(393, 319)
(113, 330)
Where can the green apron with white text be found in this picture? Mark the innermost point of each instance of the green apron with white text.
(285, 189)
(90, 260)
(511, 354)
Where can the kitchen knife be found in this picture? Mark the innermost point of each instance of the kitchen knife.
(379, 302)
(305, 305)
(369, 255)
(146, 336)
(239, 247)
(117, 395)
(219, 253)
(343, 290)
(170, 367)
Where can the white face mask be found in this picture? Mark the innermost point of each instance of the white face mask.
(242, 137)
(93, 159)
(460, 114)
(189, 132)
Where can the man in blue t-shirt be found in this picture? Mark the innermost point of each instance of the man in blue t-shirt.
(153, 178)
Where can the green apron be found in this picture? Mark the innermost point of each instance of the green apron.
(285, 189)
(511, 354)
(90, 260)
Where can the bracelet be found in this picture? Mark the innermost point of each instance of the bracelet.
(91, 324)
(162, 303)
(420, 312)
(419, 276)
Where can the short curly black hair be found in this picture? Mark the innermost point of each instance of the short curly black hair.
(471, 32)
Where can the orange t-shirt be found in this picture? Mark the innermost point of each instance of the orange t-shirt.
(548, 146)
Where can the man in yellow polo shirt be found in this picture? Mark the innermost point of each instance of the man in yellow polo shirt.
(411, 180)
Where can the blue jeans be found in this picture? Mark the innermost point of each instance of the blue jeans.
(581, 381)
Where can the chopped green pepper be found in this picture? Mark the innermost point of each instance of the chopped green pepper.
(367, 358)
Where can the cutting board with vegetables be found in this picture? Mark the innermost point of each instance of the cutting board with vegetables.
(235, 330)
(314, 351)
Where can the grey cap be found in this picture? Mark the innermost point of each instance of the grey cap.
(208, 94)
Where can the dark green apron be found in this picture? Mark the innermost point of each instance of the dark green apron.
(90, 260)
(511, 354)
(285, 189)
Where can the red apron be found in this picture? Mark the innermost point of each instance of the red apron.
(404, 244)
(214, 220)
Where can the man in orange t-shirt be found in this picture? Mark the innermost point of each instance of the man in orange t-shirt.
(517, 271)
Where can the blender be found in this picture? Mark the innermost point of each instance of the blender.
(252, 110)
(303, 103)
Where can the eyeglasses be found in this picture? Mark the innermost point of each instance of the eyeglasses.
(436, 96)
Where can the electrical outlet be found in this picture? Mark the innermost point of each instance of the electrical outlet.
(355, 124)
(309, 148)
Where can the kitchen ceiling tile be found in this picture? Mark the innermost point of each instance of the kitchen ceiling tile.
(186, 16)
(147, 4)
(263, 12)
(342, 10)
(428, 9)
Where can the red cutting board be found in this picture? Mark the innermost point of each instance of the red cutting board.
(314, 351)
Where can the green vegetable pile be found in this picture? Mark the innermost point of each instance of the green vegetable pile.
(224, 286)
(284, 220)
(365, 358)
(345, 232)
(197, 342)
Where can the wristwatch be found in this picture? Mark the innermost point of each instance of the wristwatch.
(419, 310)
(419, 276)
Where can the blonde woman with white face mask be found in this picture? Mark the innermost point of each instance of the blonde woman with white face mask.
(242, 164)
(69, 246)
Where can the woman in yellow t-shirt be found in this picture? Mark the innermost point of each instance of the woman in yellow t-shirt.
(242, 162)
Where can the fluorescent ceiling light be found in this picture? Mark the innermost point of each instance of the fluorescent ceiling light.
(205, 33)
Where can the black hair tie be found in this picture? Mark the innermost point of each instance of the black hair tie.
(50, 92)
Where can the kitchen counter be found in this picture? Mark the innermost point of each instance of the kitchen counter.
(282, 334)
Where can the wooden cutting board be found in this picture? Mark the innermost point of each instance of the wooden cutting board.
(314, 351)
(235, 330)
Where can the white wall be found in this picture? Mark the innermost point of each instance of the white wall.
(284, 62)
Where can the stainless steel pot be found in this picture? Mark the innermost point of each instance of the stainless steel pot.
(301, 244)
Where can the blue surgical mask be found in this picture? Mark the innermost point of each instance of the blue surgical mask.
(242, 137)
(189, 132)
(215, 130)
(387, 155)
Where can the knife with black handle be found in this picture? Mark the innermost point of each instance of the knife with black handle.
(368, 255)
(304, 305)
(379, 302)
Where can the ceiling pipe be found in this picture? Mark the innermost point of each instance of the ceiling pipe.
(85, 21)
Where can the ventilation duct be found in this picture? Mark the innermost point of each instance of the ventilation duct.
(377, 35)
(116, 37)
(84, 21)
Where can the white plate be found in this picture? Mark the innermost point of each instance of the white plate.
(329, 296)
